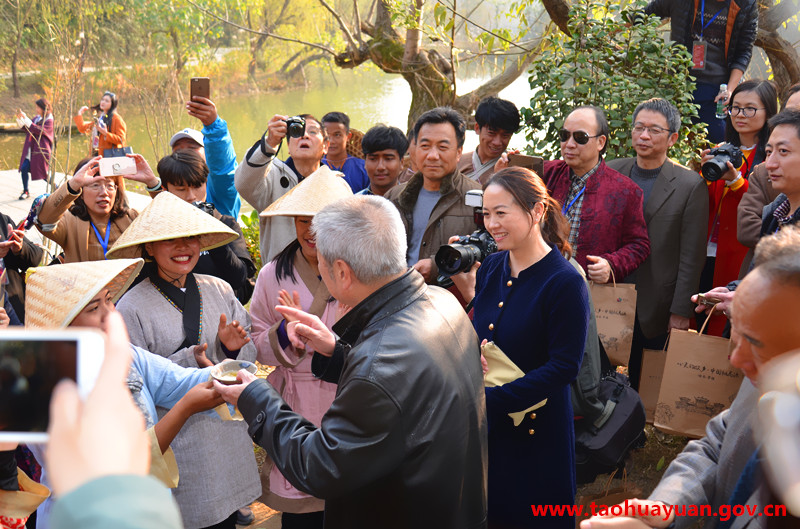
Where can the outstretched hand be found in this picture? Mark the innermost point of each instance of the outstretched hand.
(86, 175)
(232, 335)
(289, 300)
(304, 330)
(144, 173)
(203, 109)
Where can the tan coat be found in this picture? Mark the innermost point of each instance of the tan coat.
(75, 236)
(759, 194)
(449, 217)
(676, 215)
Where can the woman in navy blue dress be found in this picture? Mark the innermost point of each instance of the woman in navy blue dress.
(533, 305)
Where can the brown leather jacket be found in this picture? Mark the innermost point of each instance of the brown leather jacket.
(449, 217)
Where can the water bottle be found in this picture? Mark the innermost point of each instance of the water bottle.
(722, 104)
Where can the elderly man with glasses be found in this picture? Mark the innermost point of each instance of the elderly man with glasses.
(676, 212)
(604, 208)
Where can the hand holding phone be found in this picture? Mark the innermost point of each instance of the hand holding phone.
(200, 87)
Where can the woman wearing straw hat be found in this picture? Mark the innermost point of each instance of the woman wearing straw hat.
(82, 295)
(292, 278)
(177, 314)
(87, 213)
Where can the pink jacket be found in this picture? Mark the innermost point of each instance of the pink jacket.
(305, 394)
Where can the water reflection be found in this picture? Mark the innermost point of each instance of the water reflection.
(368, 96)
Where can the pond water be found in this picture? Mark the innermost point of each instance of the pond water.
(368, 96)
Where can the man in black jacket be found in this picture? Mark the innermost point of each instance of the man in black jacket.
(404, 442)
(720, 35)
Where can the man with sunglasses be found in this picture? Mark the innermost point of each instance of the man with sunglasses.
(604, 208)
(676, 212)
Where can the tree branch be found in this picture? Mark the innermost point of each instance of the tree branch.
(490, 32)
(413, 35)
(326, 49)
(771, 18)
(347, 34)
(357, 16)
(469, 101)
(559, 13)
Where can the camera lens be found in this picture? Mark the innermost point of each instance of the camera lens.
(455, 258)
(296, 130)
(714, 168)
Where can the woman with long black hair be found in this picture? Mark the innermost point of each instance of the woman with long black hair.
(107, 128)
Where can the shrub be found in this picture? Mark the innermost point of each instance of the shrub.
(615, 58)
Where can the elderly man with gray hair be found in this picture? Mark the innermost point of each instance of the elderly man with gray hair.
(404, 442)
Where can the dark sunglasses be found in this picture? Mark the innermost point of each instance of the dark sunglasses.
(581, 138)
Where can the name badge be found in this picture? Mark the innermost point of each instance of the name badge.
(699, 55)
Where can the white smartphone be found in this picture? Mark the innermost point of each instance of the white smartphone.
(31, 364)
(116, 166)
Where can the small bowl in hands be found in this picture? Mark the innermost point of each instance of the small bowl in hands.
(225, 372)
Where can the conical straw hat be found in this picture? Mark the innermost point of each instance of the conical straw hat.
(55, 294)
(169, 217)
(316, 191)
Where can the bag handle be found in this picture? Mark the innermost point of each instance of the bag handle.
(708, 318)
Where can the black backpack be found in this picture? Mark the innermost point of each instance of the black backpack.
(603, 444)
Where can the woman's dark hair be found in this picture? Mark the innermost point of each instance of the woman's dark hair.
(44, 104)
(284, 261)
(528, 190)
(79, 209)
(183, 167)
(765, 90)
(114, 103)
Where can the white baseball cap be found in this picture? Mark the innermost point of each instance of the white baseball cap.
(192, 134)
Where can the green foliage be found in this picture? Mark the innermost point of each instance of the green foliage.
(250, 231)
(614, 58)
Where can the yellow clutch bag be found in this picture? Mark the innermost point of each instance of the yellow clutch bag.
(502, 371)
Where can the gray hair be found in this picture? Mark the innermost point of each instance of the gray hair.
(365, 232)
(777, 256)
(663, 107)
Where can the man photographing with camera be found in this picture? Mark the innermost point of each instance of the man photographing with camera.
(262, 178)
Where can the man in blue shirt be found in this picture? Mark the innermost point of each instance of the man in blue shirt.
(214, 144)
(337, 127)
(384, 148)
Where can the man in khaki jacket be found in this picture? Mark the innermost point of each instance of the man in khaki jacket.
(431, 203)
(676, 213)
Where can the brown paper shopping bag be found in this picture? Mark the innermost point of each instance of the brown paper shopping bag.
(699, 382)
(615, 311)
(650, 382)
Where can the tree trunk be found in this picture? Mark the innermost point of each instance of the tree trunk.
(14, 74)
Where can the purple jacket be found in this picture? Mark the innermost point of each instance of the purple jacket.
(39, 139)
(612, 219)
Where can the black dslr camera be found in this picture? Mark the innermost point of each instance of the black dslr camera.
(469, 249)
(714, 168)
(205, 206)
(296, 127)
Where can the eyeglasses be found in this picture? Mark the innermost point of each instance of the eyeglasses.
(747, 112)
(99, 186)
(638, 128)
(581, 138)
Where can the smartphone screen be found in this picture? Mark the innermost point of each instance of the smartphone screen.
(31, 364)
(200, 86)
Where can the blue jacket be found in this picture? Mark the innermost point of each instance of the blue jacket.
(221, 161)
